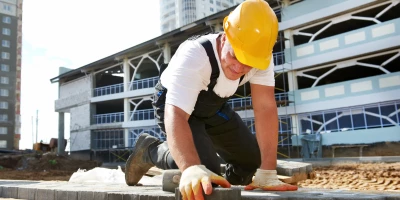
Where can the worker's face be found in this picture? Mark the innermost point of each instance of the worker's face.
(232, 68)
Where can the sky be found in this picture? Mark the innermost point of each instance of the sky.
(72, 33)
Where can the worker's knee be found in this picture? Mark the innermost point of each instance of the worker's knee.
(236, 175)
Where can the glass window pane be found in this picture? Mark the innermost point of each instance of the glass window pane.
(373, 117)
(305, 125)
(317, 122)
(358, 118)
(331, 122)
(386, 111)
(398, 113)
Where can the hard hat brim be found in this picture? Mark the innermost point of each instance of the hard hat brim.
(250, 60)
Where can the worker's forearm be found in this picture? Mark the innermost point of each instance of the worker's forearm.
(180, 140)
(267, 137)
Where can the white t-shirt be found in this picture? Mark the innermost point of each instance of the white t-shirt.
(189, 72)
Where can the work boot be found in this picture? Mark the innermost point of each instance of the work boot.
(139, 162)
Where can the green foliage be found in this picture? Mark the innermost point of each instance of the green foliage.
(53, 162)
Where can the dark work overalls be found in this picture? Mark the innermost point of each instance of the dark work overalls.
(216, 128)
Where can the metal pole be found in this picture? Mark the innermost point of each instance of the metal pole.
(37, 120)
(33, 133)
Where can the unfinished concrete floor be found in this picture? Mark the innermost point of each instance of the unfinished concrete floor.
(61, 190)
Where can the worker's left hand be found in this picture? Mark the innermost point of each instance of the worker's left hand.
(268, 180)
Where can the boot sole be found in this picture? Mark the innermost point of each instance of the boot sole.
(135, 169)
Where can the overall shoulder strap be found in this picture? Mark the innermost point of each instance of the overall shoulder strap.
(213, 61)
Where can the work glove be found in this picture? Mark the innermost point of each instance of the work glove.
(192, 177)
(268, 180)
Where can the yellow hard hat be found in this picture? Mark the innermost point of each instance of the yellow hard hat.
(252, 30)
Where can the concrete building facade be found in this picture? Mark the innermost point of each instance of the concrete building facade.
(337, 76)
(10, 73)
(177, 13)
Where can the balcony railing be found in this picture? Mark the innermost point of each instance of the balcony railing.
(240, 102)
(236, 104)
(144, 83)
(142, 115)
(107, 90)
(109, 118)
(279, 58)
(118, 88)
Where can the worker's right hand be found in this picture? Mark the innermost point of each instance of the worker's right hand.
(193, 176)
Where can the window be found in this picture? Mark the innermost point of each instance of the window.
(5, 43)
(3, 105)
(3, 130)
(357, 118)
(218, 3)
(212, 9)
(7, 20)
(373, 117)
(3, 117)
(3, 143)
(6, 31)
(388, 113)
(345, 120)
(4, 92)
(105, 139)
(6, 7)
(331, 122)
(212, 1)
(5, 68)
(4, 80)
(5, 55)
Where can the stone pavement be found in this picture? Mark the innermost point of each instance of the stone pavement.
(61, 190)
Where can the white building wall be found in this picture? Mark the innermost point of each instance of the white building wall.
(80, 127)
(8, 7)
(80, 140)
(77, 86)
(74, 93)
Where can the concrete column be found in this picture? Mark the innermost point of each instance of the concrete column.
(127, 78)
(127, 104)
(166, 53)
(60, 142)
(289, 38)
(292, 80)
(127, 109)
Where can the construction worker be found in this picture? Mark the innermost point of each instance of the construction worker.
(191, 108)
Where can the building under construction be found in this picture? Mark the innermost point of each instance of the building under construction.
(337, 82)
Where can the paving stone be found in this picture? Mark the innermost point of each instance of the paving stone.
(66, 195)
(217, 194)
(27, 193)
(10, 192)
(99, 196)
(61, 195)
(45, 194)
(72, 195)
(115, 196)
(89, 195)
